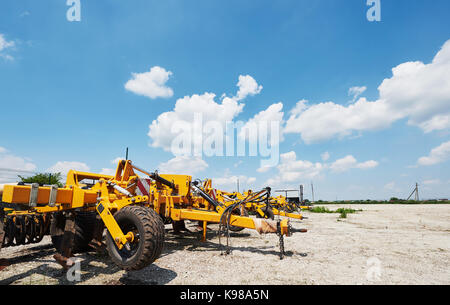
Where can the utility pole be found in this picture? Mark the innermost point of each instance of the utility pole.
(312, 191)
(301, 194)
(415, 192)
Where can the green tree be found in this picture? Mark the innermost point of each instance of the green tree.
(43, 178)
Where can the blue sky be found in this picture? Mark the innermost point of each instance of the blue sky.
(63, 94)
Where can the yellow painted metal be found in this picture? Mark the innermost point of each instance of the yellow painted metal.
(110, 193)
(214, 217)
(205, 228)
(21, 195)
(284, 226)
(290, 215)
(279, 201)
(112, 226)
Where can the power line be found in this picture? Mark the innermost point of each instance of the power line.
(16, 170)
(10, 175)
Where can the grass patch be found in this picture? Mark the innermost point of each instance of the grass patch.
(342, 211)
(320, 210)
(394, 201)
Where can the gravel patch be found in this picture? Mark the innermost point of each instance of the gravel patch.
(383, 244)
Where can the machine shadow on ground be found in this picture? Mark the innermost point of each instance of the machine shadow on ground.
(93, 264)
(191, 241)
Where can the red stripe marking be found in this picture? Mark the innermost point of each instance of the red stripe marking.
(142, 188)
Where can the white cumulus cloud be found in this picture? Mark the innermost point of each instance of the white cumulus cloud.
(367, 164)
(417, 91)
(116, 160)
(327, 120)
(108, 171)
(264, 169)
(229, 182)
(350, 162)
(4, 45)
(325, 156)
(291, 170)
(356, 92)
(183, 165)
(151, 84)
(168, 125)
(11, 166)
(273, 114)
(437, 155)
(12, 162)
(64, 167)
(247, 86)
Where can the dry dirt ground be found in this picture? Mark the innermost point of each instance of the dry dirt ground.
(383, 244)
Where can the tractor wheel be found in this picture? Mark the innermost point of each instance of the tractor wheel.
(240, 212)
(148, 229)
(9, 229)
(84, 228)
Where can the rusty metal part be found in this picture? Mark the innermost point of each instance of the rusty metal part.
(264, 226)
(20, 234)
(281, 240)
(65, 262)
(63, 257)
(69, 235)
(97, 236)
(179, 226)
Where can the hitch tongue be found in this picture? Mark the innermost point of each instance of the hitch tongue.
(265, 226)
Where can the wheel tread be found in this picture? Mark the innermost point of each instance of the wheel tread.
(153, 237)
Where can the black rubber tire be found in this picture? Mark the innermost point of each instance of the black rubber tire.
(148, 228)
(19, 236)
(84, 228)
(9, 229)
(238, 212)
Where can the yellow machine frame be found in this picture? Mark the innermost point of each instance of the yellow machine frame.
(228, 198)
(170, 196)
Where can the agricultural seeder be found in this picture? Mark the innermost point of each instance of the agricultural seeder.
(132, 208)
(259, 203)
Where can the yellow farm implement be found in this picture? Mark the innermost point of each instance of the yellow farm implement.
(260, 203)
(133, 208)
